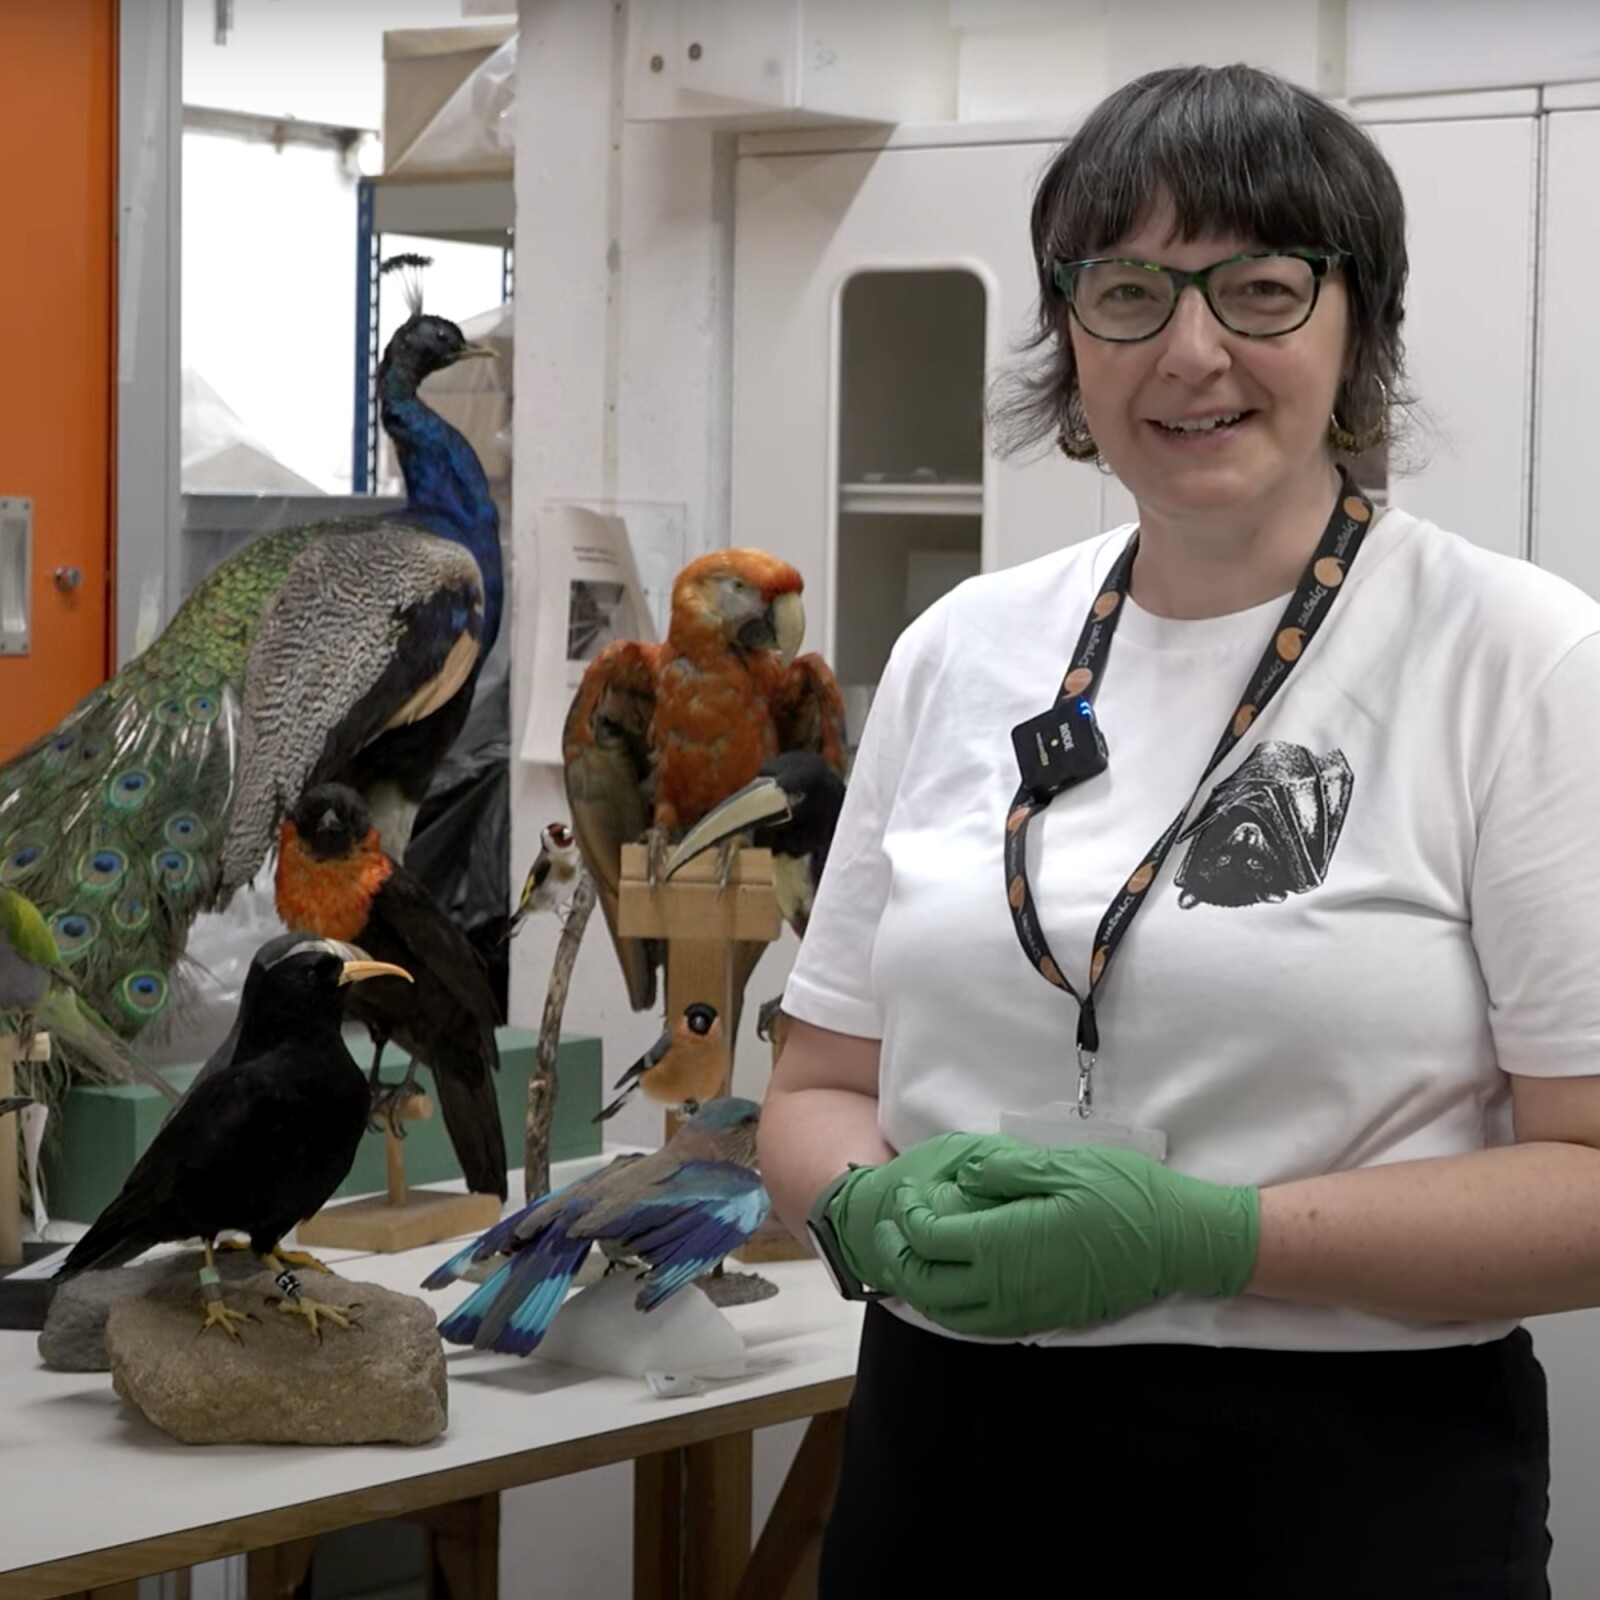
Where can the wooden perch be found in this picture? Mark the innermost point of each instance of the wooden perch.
(542, 1082)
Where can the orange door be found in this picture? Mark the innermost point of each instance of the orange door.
(57, 283)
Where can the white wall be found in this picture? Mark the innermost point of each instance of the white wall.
(1041, 59)
(623, 304)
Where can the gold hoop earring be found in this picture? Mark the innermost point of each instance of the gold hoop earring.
(1346, 443)
(1077, 446)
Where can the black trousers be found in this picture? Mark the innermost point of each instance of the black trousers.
(1168, 1470)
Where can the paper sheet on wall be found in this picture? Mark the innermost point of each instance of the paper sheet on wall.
(605, 573)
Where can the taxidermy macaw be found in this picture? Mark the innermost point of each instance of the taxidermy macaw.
(658, 735)
(35, 992)
(678, 1212)
(334, 879)
(341, 650)
(261, 1140)
(688, 1063)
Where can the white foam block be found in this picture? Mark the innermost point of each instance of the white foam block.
(600, 1330)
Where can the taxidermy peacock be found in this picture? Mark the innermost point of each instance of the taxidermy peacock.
(344, 650)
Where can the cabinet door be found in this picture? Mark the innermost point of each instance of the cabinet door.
(57, 129)
(1568, 431)
(807, 226)
(1470, 190)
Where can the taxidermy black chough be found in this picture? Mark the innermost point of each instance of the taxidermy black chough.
(264, 1136)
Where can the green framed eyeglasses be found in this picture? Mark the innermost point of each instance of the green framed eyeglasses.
(1262, 295)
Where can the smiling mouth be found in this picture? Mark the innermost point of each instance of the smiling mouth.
(1202, 425)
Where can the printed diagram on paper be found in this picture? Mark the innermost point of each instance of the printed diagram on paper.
(605, 573)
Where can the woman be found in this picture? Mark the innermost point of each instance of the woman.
(1332, 896)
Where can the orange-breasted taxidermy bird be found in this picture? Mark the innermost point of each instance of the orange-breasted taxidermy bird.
(261, 1140)
(343, 649)
(658, 735)
(553, 877)
(686, 1065)
(335, 880)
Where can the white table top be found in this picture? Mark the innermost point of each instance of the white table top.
(80, 1471)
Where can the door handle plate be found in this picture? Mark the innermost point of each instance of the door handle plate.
(16, 574)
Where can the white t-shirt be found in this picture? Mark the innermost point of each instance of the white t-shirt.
(1400, 906)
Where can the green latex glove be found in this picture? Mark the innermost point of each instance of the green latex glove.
(867, 1197)
(1022, 1240)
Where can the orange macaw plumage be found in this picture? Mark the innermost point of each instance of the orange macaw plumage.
(659, 734)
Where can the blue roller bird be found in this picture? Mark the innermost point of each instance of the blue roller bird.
(677, 1212)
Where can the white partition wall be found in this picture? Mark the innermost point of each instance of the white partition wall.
(1565, 534)
(1471, 190)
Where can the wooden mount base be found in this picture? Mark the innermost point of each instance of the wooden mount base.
(701, 923)
(401, 1218)
(377, 1224)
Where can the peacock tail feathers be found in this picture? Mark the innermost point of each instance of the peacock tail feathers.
(112, 823)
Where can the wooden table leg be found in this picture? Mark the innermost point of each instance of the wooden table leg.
(716, 1496)
(281, 1571)
(691, 1520)
(463, 1548)
(658, 1526)
(784, 1565)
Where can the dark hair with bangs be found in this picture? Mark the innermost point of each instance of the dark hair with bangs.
(1235, 151)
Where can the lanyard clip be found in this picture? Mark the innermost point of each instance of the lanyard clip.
(1085, 1081)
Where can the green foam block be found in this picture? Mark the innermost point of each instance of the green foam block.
(105, 1129)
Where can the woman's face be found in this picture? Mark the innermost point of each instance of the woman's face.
(1281, 391)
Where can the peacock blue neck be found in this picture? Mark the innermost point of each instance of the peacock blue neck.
(446, 490)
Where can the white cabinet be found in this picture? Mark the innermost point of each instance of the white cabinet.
(1470, 190)
(783, 63)
(1564, 537)
(876, 293)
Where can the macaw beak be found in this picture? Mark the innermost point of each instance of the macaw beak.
(788, 625)
(759, 801)
(364, 967)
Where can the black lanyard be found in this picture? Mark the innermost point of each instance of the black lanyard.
(1306, 611)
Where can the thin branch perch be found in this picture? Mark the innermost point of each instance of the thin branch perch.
(542, 1083)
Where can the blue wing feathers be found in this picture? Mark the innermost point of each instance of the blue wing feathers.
(680, 1227)
(461, 1326)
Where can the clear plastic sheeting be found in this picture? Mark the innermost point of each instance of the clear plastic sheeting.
(221, 455)
(474, 130)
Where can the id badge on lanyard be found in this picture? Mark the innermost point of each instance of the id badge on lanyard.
(1065, 747)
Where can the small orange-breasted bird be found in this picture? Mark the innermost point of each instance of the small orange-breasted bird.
(659, 734)
(686, 1065)
(333, 875)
